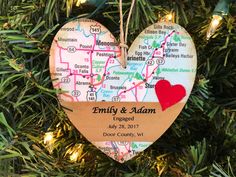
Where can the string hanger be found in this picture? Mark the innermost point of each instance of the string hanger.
(123, 36)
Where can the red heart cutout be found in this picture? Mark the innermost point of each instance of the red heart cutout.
(169, 95)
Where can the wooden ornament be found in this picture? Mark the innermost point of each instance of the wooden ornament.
(122, 111)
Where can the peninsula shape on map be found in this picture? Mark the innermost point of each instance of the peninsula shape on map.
(87, 62)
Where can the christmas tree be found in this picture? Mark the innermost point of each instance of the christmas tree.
(37, 138)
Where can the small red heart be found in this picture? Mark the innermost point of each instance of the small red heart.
(169, 95)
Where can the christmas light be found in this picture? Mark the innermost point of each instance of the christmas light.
(49, 141)
(48, 137)
(168, 18)
(221, 9)
(215, 23)
(80, 2)
(97, 3)
(74, 156)
(75, 152)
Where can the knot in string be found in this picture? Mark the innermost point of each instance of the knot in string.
(123, 45)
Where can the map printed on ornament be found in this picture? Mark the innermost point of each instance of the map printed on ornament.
(122, 111)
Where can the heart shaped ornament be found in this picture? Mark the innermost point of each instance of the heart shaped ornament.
(122, 111)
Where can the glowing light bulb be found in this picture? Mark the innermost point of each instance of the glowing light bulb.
(49, 141)
(168, 18)
(74, 156)
(48, 137)
(80, 2)
(215, 22)
(74, 153)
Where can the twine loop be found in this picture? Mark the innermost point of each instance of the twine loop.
(123, 37)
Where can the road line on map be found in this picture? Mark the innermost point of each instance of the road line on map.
(67, 63)
(107, 62)
(75, 87)
(128, 149)
(105, 70)
(136, 93)
(91, 61)
(147, 66)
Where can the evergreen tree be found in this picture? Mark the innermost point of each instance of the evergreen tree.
(202, 140)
